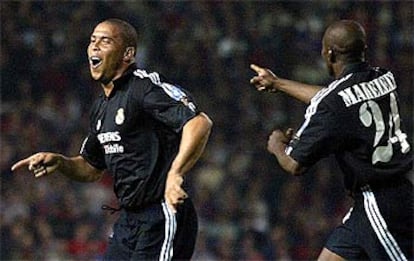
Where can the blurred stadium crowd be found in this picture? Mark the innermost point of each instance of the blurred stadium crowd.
(248, 209)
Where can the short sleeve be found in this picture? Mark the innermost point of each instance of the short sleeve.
(169, 104)
(92, 152)
(318, 137)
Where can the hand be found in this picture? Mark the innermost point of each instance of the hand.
(40, 164)
(278, 139)
(174, 194)
(264, 81)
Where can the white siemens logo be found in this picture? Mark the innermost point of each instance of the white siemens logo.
(113, 148)
(111, 136)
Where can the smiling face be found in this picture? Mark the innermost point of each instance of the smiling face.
(105, 53)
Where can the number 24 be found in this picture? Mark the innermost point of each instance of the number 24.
(367, 117)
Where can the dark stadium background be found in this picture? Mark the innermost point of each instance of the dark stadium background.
(248, 209)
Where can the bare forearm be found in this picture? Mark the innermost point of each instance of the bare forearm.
(287, 163)
(276, 145)
(77, 168)
(300, 91)
(46, 163)
(194, 139)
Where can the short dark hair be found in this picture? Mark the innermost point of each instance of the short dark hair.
(128, 32)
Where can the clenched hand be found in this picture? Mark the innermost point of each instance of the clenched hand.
(174, 193)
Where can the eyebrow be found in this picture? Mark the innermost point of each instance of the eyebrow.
(102, 37)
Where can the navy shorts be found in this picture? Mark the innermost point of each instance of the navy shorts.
(379, 226)
(154, 233)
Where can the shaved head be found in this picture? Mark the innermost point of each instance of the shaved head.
(346, 38)
(344, 42)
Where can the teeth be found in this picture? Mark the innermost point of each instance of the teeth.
(95, 61)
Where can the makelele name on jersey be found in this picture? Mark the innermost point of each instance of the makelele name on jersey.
(109, 141)
(368, 90)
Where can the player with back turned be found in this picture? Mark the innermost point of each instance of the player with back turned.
(356, 118)
(148, 134)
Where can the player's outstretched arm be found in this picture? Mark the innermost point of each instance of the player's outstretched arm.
(266, 80)
(277, 145)
(45, 163)
(194, 138)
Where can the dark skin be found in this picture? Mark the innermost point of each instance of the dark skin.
(343, 43)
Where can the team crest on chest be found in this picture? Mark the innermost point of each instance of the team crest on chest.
(120, 116)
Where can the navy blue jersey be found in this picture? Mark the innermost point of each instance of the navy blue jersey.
(357, 119)
(135, 134)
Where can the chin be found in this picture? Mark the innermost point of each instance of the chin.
(95, 76)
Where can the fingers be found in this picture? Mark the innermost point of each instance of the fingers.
(21, 163)
(260, 83)
(256, 68)
(263, 81)
(39, 170)
(177, 197)
(289, 133)
(277, 135)
(34, 164)
(174, 201)
(174, 193)
(171, 206)
(257, 82)
(280, 136)
(275, 140)
(261, 71)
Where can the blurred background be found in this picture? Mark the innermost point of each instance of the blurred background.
(248, 208)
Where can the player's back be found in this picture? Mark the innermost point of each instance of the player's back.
(373, 146)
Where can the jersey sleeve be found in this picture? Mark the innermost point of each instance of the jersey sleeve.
(169, 104)
(92, 152)
(318, 137)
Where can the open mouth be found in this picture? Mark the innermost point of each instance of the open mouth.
(95, 61)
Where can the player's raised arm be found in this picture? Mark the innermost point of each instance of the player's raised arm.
(45, 163)
(266, 80)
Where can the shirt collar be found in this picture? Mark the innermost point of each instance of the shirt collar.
(354, 67)
(125, 76)
(118, 83)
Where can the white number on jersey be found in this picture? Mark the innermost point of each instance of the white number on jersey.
(374, 114)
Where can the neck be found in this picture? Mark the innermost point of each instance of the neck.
(107, 88)
(338, 68)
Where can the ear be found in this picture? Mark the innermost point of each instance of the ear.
(128, 54)
(331, 55)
